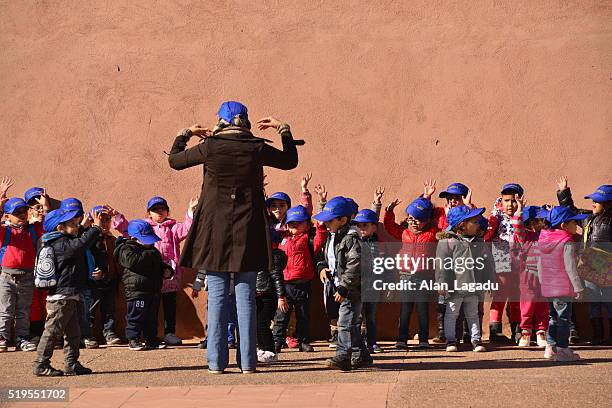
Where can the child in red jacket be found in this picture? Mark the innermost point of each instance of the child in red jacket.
(300, 242)
(18, 241)
(418, 241)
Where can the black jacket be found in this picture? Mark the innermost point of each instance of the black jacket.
(273, 281)
(598, 227)
(143, 268)
(70, 260)
(347, 250)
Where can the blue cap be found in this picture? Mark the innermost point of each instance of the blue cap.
(531, 212)
(455, 189)
(336, 207)
(483, 222)
(13, 204)
(72, 204)
(157, 201)
(512, 188)
(56, 217)
(229, 110)
(98, 208)
(457, 215)
(561, 214)
(353, 204)
(421, 209)
(297, 214)
(33, 192)
(142, 231)
(543, 213)
(603, 194)
(366, 215)
(279, 195)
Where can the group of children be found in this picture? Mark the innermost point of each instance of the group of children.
(60, 266)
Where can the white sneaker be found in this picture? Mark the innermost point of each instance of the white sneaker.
(525, 340)
(549, 352)
(267, 357)
(172, 340)
(541, 338)
(566, 354)
(451, 348)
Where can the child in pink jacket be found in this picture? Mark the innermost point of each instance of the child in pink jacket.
(559, 279)
(172, 233)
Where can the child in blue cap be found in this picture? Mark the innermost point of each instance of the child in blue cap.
(278, 203)
(367, 222)
(418, 240)
(342, 261)
(64, 300)
(463, 261)
(456, 194)
(528, 221)
(18, 244)
(500, 234)
(559, 279)
(143, 275)
(300, 242)
(596, 244)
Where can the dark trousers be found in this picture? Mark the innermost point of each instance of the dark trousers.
(102, 299)
(369, 315)
(298, 298)
(62, 321)
(141, 317)
(168, 301)
(266, 309)
(422, 310)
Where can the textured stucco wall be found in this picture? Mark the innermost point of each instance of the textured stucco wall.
(385, 93)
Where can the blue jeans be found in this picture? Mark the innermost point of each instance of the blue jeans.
(246, 308)
(599, 298)
(349, 330)
(559, 325)
(470, 309)
(369, 315)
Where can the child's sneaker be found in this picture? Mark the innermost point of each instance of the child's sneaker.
(541, 338)
(90, 343)
(172, 339)
(566, 354)
(361, 362)
(549, 352)
(424, 345)
(25, 345)
(135, 345)
(77, 369)
(451, 347)
(292, 342)
(203, 344)
(401, 345)
(47, 371)
(525, 340)
(439, 340)
(266, 357)
(477, 347)
(3, 345)
(155, 344)
(574, 338)
(112, 339)
(377, 349)
(339, 363)
(306, 348)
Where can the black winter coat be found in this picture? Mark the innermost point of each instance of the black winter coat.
(143, 268)
(272, 281)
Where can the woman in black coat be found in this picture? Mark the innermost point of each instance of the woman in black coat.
(229, 233)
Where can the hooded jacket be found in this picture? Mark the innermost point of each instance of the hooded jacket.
(557, 264)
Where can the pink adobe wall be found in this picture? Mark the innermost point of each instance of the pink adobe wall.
(385, 93)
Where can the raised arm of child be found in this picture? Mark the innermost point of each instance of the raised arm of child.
(181, 229)
(394, 229)
(306, 197)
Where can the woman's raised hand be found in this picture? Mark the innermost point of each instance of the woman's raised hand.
(269, 122)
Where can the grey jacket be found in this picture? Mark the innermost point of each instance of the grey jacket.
(452, 246)
(347, 250)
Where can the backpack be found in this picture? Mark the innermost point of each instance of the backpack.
(7, 238)
(44, 270)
